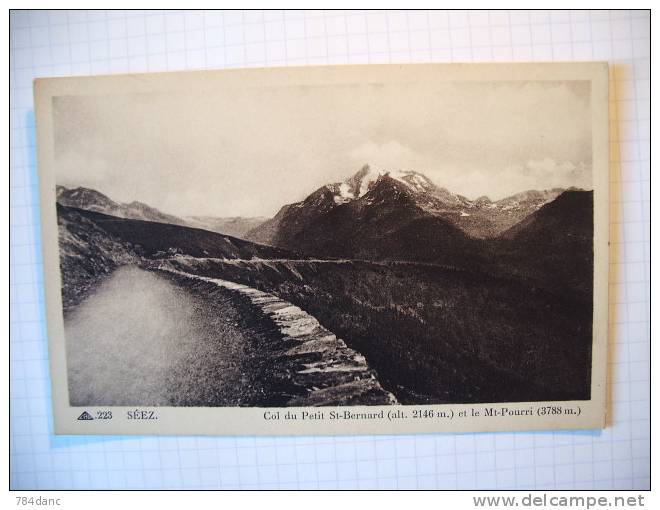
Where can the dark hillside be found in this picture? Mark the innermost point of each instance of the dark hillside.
(152, 239)
(93, 245)
(435, 334)
(554, 245)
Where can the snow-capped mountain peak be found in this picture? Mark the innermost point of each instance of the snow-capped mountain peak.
(359, 184)
(399, 196)
(479, 217)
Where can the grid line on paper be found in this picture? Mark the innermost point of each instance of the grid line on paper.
(59, 43)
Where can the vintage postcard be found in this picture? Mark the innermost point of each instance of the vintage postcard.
(326, 250)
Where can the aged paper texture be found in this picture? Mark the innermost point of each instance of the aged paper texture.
(326, 250)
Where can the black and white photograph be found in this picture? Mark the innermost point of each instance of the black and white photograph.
(347, 240)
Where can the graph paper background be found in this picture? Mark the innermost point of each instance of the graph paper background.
(80, 43)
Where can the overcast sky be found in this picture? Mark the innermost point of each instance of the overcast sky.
(248, 152)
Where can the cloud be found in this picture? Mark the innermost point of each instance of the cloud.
(547, 173)
(493, 180)
(248, 151)
(390, 155)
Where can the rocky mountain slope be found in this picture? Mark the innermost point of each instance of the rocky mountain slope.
(92, 245)
(553, 244)
(438, 313)
(92, 200)
(374, 192)
(395, 216)
(87, 254)
(433, 334)
(315, 366)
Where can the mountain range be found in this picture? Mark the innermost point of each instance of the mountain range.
(236, 226)
(442, 294)
(369, 190)
(390, 214)
(403, 216)
(92, 200)
(93, 244)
